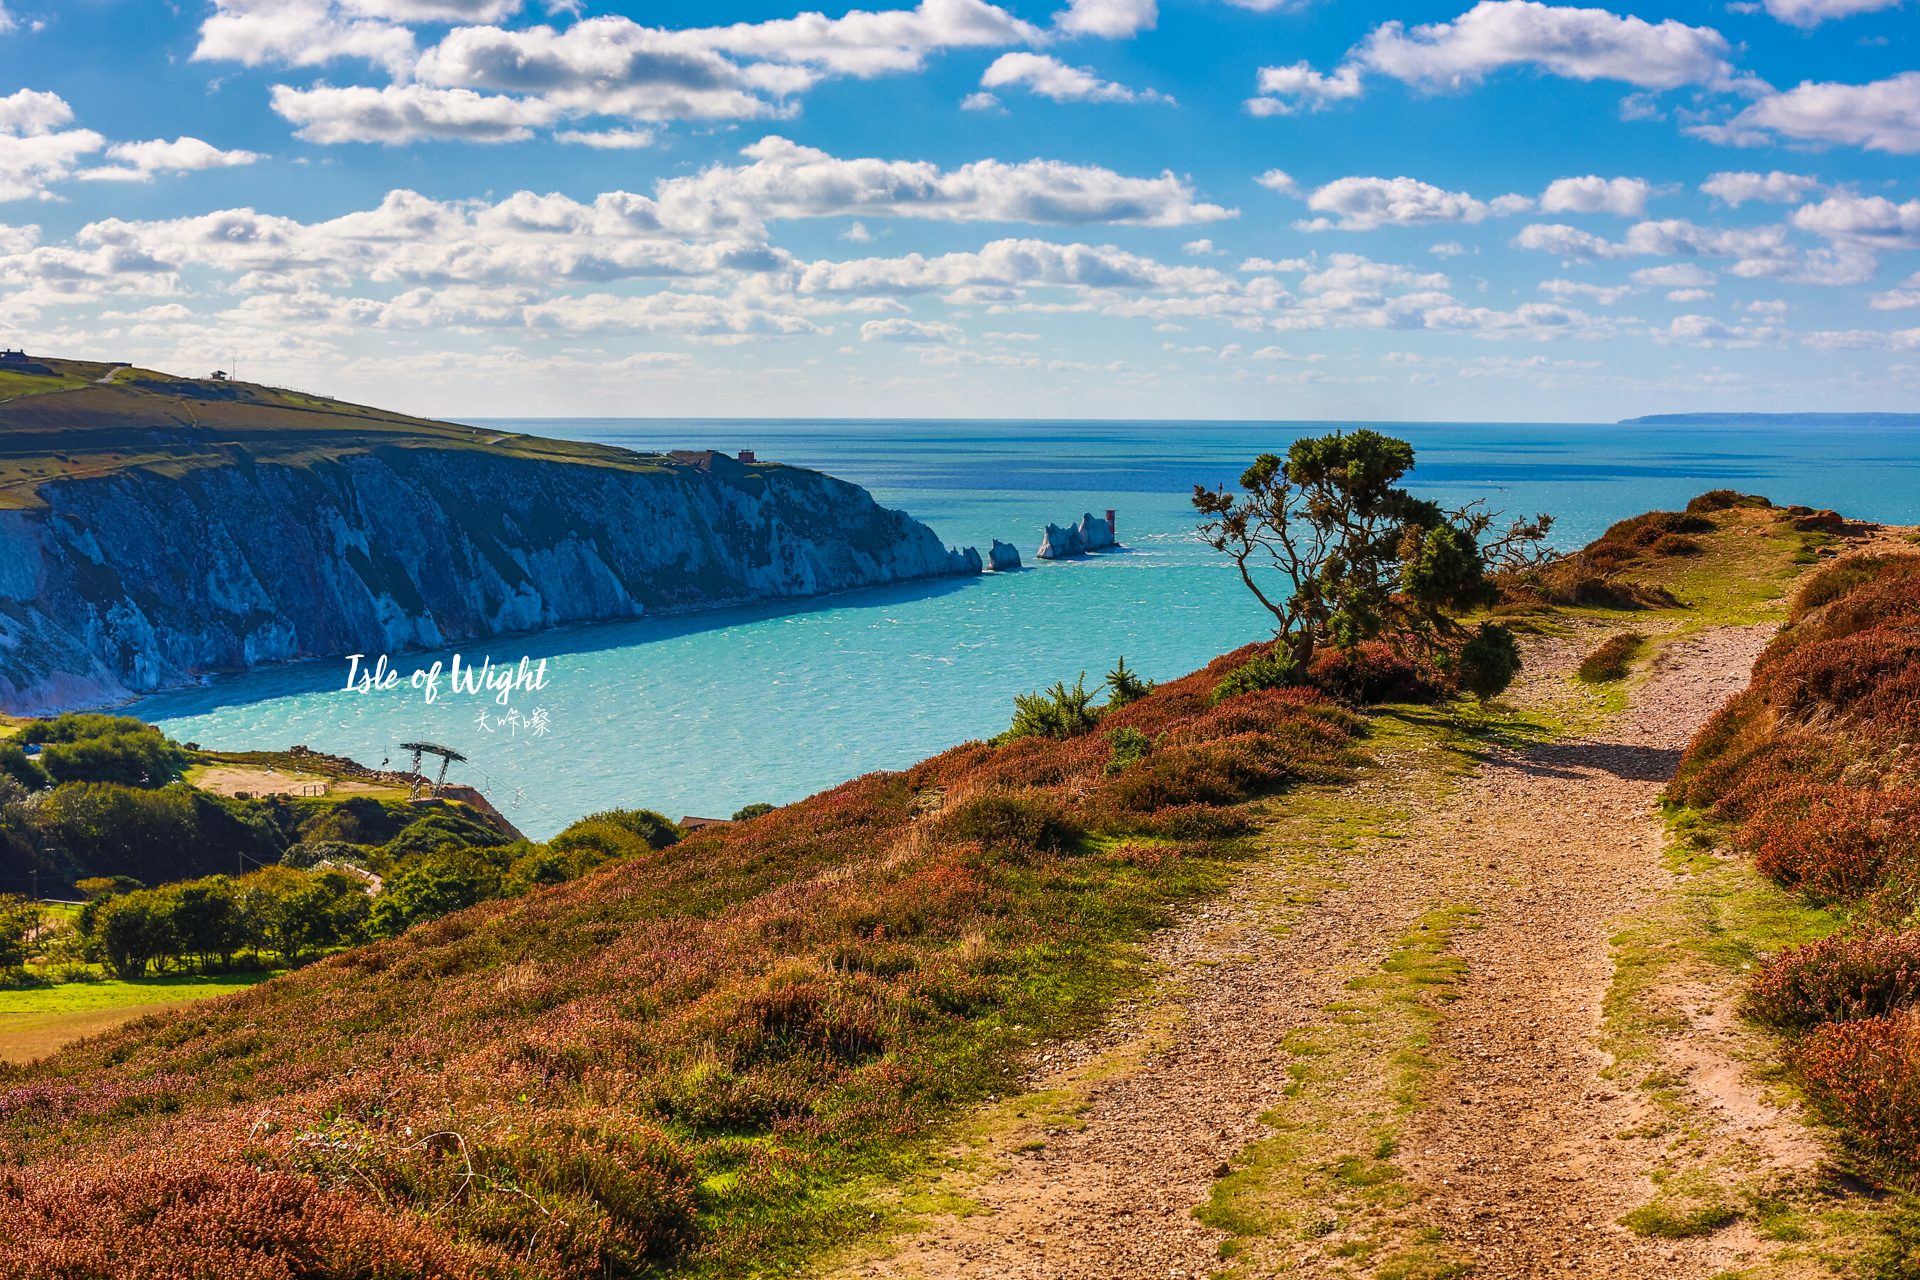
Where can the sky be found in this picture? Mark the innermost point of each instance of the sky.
(1252, 209)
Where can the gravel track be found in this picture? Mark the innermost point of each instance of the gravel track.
(1514, 1149)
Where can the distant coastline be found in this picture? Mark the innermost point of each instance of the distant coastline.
(1774, 420)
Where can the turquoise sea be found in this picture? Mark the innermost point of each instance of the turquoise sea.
(703, 713)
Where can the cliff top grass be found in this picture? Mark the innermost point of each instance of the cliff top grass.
(78, 419)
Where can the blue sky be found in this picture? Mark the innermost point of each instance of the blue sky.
(1103, 208)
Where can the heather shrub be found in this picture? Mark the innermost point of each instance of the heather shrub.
(1724, 500)
(1369, 672)
(1839, 978)
(1865, 1073)
(1196, 822)
(1646, 529)
(1833, 843)
(1674, 544)
(195, 1218)
(1000, 820)
(1609, 661)
(1845, 576)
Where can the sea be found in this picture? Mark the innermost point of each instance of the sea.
(700, 714)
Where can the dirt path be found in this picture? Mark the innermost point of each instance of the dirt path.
(1514, 1153)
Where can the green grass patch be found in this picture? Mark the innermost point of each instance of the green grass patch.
(81, 997)
(1668, 1223)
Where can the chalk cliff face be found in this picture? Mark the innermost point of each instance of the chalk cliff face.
(141, 580)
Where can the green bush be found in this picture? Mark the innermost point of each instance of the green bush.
(750, 812)
(1129, 744)
(434, 886)
(645, 823)
(1124, 686)
(23, 768)
(135, 759)
(135, 931)
(1725, 499)
(1265, 671)
(1489, 661)
(1058, 712)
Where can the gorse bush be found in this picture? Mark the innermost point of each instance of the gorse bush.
(675, 1060)
(1724, 500)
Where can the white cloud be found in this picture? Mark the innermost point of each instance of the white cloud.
(141, 160)
(1448, 249)
(1775, 307)
(1871, 220)
(857, 233)
(1284, 264)
(462, 11)
(1864, 340)
(1366, 203)
(1013, 265)
(1289, 89)
(1605, 295)
(979, 102)
(1734, 189)
(1881, 116)
(899, 330)
(7, 21)
(397, 114)
(1593, 194)
(1705, 331)
(1689, 295)
(300, 33)
(608, 140)
(1051, 78)
(1906, 295)
(786, 180)
(1679, 275)
(1811, 13)
(34, 151)
(1201, 248)
(1277, 181)
(1580, 44)
(33, 113)
(1109, 18)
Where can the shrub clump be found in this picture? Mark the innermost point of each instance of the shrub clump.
(1609, 661)
(1725, 500)
(1675, 544)
(1371, 672)
(1033, 823)
(1840, 978)
(1270, 670)
(1866, 1074)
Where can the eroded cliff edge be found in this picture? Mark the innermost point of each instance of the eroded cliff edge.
(147, 574)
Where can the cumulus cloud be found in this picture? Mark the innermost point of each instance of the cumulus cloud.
(1760, 252)
(1871, 220)
(1111, 19)
(408, 113)
(1811, 13)
(1605, 295)
(1881, 116)
(1705, 331)
(1580, 44)
(301, 33)
(1366, 203)
(1735, 189)
(787, 180)
(139, 161)
(1051, 78)
(608, 139)
(1593, 194)
(1676, 275)
(1907, 294)
(1285, 90)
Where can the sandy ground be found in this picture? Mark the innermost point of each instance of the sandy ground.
(1518, 1149)
(228, 779)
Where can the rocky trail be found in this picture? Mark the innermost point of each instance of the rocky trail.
(1335, 1133)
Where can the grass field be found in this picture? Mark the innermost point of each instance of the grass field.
(36, 1021)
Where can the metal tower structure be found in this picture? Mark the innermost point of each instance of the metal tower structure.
(447, 756)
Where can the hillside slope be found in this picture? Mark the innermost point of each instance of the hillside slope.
(153, 529)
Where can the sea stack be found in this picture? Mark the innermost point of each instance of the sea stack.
(1095, 534)
(1003, 556)
(1060, 543)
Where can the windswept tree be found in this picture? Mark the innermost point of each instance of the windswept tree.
(1338, 554)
